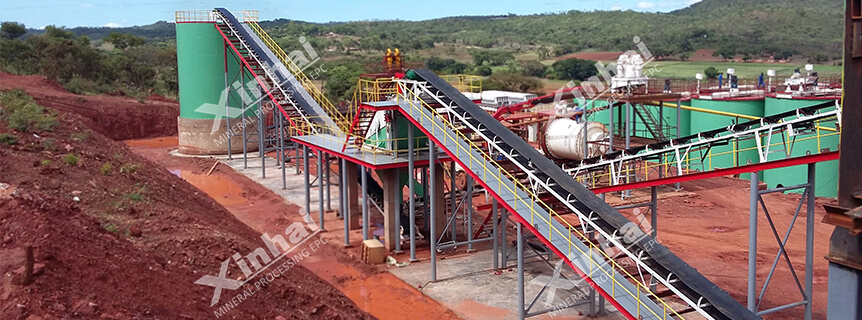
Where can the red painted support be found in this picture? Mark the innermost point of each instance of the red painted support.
(833, 155)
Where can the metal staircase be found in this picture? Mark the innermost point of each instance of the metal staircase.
(279, 84)
(359, 126)
(651, 124)
(547, 187)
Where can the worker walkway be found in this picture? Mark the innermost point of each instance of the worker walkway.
(632, 298)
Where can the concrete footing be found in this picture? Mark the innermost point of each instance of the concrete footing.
(196, 136)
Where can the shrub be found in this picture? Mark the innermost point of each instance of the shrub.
(22, 113)
(110, 227)
(8, 139)
(71, 159)
(80, 136)
(49, 144)
(130, 168)
(107, 168)
(45, 162)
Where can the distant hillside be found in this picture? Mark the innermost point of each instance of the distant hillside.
(763, 27)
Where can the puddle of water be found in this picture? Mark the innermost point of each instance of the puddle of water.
(224, 191)
(158, 142)
(382, 295)
(477, 311)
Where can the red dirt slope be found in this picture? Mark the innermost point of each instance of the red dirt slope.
(117, 117)
(135, 242)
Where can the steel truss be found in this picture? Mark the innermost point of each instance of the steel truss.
(806, 288)
(587, 220)
(796, 123)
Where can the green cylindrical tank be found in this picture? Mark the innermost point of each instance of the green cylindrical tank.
(826, 179)
(201, 61)
(737, 153)
(201, 68)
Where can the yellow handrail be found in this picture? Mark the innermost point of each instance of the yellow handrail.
(451, 133)
(342, 121)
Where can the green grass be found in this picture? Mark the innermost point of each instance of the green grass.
(8, 139)
(71, 159)
(107, 168)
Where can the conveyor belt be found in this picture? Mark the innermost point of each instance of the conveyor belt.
(293, 92)
(697, 291)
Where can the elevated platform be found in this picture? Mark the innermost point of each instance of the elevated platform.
(372, 159)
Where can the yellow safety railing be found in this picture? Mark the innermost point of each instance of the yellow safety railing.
(497, 173)
(194, 16)
(342, 121)
(369, 90)
(370, 145)
(464, 82)
(210, 16)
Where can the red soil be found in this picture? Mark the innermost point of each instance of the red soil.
(118, 117)
(137, 240)
(371, 287)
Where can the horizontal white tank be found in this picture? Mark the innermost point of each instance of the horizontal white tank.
(564, 139)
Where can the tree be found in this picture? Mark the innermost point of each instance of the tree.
(725, 52)
(710, 73)
(340, 83)
(574, 69)
(12, 30)
(511, 82)
(533, 68)
(122, 41)
(493, 57)
(483, 71)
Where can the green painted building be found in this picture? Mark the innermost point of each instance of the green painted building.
(738, 152)
(826, 173)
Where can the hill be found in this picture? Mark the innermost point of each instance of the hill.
(768, 27)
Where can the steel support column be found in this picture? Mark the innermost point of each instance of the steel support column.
(809, 244)
(495, 234)
(468, 211)
(432, 163)
(365, 219)
(411, 181)
(342, 191)
(520, 273)
(752, 243)
(320, 186)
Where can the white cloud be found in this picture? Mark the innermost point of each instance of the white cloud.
(644, 5)
(616, 7)
(113, 25)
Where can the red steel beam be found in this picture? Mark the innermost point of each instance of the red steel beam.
(833, 155)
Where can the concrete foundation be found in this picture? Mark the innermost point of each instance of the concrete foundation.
(196, 136)
(354, 189)
(439, 201)
(391, 206)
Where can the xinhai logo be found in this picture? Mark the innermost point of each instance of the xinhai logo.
(260, 259)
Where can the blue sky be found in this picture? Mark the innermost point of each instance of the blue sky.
(38, 14)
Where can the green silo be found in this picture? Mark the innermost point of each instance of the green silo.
(201, 62)
(725, 156)
(826, 179)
